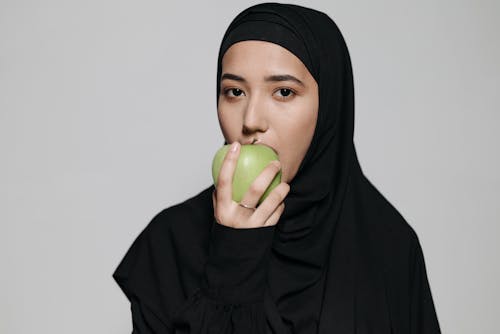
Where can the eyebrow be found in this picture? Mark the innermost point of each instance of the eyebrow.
(271, 78)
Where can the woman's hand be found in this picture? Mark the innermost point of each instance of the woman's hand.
(229, 213)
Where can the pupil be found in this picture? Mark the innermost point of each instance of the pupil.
(285, 92)
(236, 91)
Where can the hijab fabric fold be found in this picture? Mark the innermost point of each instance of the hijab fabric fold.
(339, 246)
(301, 247)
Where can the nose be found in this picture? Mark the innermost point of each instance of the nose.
(254, 119)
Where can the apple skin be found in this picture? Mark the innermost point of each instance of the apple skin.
(251, 162)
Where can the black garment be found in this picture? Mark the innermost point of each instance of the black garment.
(340, 260)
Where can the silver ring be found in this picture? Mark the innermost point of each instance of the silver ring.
(246, 206)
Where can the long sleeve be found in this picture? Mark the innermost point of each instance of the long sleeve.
(230, 293)
(137, 275)
(231, 296)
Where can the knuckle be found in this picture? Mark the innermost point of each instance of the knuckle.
(275, 197)
(273, 171)
(256, 189)
(231, 156)
(222, 181)
(273, 168)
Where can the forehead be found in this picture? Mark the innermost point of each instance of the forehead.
(261, 55)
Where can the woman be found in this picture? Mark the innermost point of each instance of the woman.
(325, 252)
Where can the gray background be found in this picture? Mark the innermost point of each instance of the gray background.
(108, 115)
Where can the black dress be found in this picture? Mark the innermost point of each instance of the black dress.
(341, 258)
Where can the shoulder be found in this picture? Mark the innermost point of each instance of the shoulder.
(392, 236)
(170, 250)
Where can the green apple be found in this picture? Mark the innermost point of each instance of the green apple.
(251, 162)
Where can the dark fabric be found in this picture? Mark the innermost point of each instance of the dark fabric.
(340, 260)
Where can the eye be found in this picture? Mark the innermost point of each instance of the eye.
(285, 93)
(234, 91)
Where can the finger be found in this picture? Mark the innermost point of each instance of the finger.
(261, 183)
(275, 217)
(225, 178)
(269, 205)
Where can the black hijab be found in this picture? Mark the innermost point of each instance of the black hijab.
(343, 260)
(307, 226)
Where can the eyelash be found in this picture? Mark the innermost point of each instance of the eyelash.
(291, 94)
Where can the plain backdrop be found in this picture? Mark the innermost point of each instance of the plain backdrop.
(108, 116)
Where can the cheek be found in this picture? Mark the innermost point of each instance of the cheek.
(229, 124)
(295, 136)
(297, 130)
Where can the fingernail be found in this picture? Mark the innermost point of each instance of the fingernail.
(234, 146)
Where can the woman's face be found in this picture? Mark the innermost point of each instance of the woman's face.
(267, 94)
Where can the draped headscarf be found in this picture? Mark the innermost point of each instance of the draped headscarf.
(306, 228)
(326, 268)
